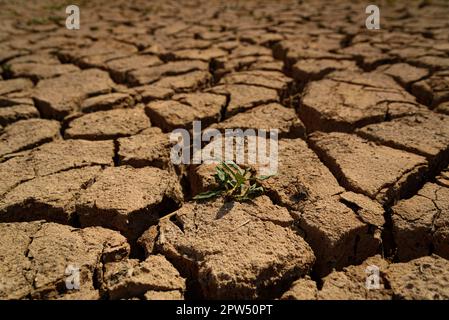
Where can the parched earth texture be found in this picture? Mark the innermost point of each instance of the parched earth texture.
(86, 179)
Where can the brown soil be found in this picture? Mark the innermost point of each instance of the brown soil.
(86, 177)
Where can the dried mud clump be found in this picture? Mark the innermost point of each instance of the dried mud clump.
(420, 279)
(235, 250)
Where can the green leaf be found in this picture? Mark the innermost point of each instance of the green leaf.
(235, 183)
(231, 172)
(220, 174)
(237, 172)
(235, 166)
(207, 195)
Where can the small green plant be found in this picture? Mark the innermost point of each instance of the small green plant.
(235, 183)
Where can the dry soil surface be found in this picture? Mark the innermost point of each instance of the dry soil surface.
(87, 183)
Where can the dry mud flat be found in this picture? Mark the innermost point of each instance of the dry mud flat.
(86, 180)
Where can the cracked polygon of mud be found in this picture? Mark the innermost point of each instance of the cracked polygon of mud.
(266, 117)
(14, 85)
(261, 37)
(270, 65)
(10, 100)
(37, 71)
(339, 234)
(121, 67)
(375, 49)
(36, 254)
(98, 54)
(60, 96)
(432, 62)
(171, 29)
(425, 134)
(379, 172)
(421, 223)
(105, 102)
(52, 158)
(104, 125)
(404, 73)
(187, 82)
(12, 113)
(314, 69)
(415, 55)
(233, 250)
(284, 85)
(212, 35)
(51, 197)
(227, 64)
(16, 98)
(301, 177)
(147, 93)
(346, 100)
(183, 109)
(307, 47)
(43, 57)
(239, 49)
(27, 134)
(150, 147)
(8, 53)
(149, 75)
(243, 97)
(425, 278)
(57, 43)
(197, 54)
(176, 44)
(128, 199)
(347, 284)
(433, 90)
(150, 279)
(250, 51)
(367, 55)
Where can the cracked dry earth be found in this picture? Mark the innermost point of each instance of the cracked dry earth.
(85, 170)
